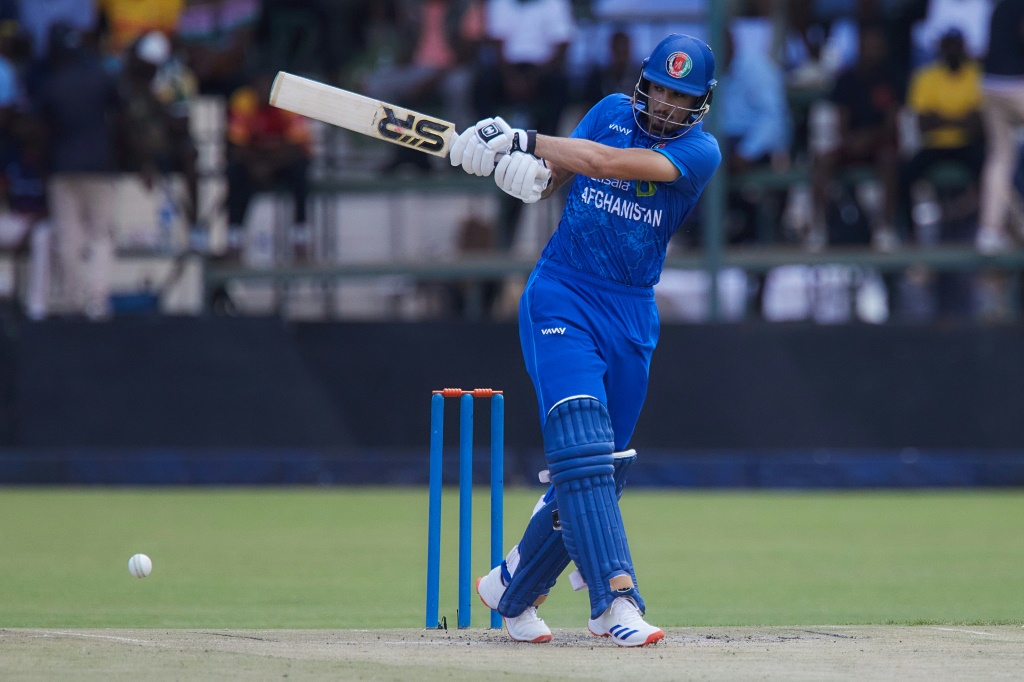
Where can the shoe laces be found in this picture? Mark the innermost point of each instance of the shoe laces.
(624, 609)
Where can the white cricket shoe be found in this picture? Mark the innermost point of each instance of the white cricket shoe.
(526, 627)
(624, 623)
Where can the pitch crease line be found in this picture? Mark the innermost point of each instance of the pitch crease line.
(969, 632)
(48, 633)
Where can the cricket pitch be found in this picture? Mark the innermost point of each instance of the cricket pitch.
(708, 653)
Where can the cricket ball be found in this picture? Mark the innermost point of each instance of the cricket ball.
(140, 565)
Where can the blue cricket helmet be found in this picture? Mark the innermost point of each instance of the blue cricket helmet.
(681, 63)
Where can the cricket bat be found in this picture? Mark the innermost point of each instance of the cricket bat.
(361, 114)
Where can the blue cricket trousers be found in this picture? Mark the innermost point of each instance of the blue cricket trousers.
(583, 335)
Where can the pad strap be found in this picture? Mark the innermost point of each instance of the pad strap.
(542, 558)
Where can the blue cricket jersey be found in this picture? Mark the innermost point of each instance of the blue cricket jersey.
(588, 325)
(619, 229)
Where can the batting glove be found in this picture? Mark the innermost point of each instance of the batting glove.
(523, 176)
(461, 154)
(477, 148)
(503, 138)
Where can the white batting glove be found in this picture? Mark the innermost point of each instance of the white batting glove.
(503, 138)
(523, 176)
(457, 154)
(477, 148)
(470, 152)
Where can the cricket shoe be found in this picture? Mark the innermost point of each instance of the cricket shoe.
(624, 623)
(527, 626)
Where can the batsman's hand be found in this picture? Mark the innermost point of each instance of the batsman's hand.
(478, 146)
(523, 176)
(470, 153)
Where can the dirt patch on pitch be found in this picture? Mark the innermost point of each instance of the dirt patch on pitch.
(764, 653)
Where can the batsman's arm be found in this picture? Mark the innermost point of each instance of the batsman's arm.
(559, 176)
(595, 160)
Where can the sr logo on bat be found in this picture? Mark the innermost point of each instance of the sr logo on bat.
(423, 134)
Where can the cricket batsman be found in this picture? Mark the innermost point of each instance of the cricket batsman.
(588, 322)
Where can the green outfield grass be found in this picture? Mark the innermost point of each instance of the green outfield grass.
(355, 557)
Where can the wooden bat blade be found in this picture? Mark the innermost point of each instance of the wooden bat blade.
(361, 114)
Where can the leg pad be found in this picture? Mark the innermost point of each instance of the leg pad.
(541, 554)
(578, 444)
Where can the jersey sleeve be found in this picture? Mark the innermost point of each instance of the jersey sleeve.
(697, 160)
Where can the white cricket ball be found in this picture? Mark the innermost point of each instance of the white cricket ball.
(140, 565)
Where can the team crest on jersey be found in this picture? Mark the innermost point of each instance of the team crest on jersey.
(678, 64)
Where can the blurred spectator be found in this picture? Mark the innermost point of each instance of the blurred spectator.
(817, 48)
(217, 36)
(900, 19)
(867, 101)
(1003, 114)
(946, 98)
(524, 80)
(346, 36)
(18, 45)
(21, 163)
(754, 121)
(157, 137)
(38, 17)
(971, 18)
(10, 86)
(822, 42)
(618, 75)
(529, 84)
(436, 71)
(295, 36)
(23, 218)
(379, 39)
(78, 102)
(268, 148)
(753, 26)
(122, 22)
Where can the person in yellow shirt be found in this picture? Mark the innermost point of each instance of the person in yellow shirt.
(946, 97)
(125, 21)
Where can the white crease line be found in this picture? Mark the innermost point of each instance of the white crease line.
(434, 643)
(969, 632)
(82, 634)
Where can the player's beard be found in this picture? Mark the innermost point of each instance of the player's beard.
(664, 125)
(660, 126)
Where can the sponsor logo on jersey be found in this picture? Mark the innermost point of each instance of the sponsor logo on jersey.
(644, 188)
(553, 330)
(617, 184)
(620, 129)
(678, 64)
(424, 133)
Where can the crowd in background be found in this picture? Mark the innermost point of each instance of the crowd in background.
(875, 112)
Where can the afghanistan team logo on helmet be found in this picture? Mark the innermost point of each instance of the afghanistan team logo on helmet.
(678, 64)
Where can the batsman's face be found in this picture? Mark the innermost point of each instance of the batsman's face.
(668, 109)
